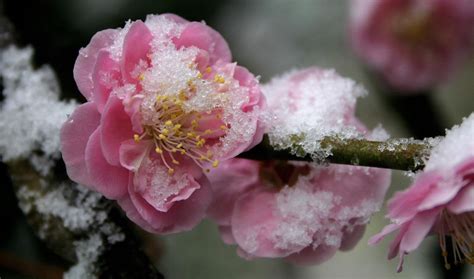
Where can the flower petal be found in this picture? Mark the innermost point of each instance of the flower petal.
(417, 230)
(133, 153)
(253, 222)
(115, 128)
(136, 46)
(229, 181)
(106, 76)
(109, 180)
(203, 37)
(75, 134)
(464, 201)
(183, 216)
(86, 60)
(311, 256)
(350, 240)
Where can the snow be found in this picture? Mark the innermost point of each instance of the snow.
(306, 106)
(31, 113)
(457, 146)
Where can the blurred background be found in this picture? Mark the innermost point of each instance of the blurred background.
(269, 37)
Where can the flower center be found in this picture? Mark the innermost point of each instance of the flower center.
(459, 230)
(414, 29)
(177, 133)
(279, 174)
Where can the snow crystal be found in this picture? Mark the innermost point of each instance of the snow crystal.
(306, 106)
(457, 146)
(304, 213)
(31, 113)
(75, 217)
(87, 252)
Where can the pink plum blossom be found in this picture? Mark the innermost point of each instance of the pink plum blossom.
(298, 211)
(164, 104)
(440, 201)
(414, 44)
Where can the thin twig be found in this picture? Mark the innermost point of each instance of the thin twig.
(401, 154)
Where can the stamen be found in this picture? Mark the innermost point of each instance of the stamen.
(460, 229)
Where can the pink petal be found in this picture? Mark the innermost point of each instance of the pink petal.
(115, 128)
(75, 134)
(202, 36)
(133, 153)
(109, 180)
(136, 46)
(417, 230)
(310, 256)
(161, 190)
(106, 75)
(253, 223)
(404, 204)
(226, 235)
(183, 216)
(86, 60)
(385, 231)
(350, 240)
(464, 201)
(229, 181)
(132, 213)
(247, 79)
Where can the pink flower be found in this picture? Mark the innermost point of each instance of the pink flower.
(414, 44)
(164, 103)
(294, 210)
(298, 211)
(440, 201)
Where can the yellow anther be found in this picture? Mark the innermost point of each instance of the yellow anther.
(208, 132)
(175, 162)
(178, 102)
(166, 132)
(165, 107)
(208, 70)
(141, 77)
(177, 127)
(200, 143)
(182, 95)
(179, 145)
(223, 127)
(158, 150)
(199, 75)
(169, 123)
(219, 116)
(173, 150)
(170, 171)
(194, 123)
(183, 152)
(190, 135)
(215, 164)
(174, 115)
(202, 158)
(219, 79)
(136, 138)
(161, 136)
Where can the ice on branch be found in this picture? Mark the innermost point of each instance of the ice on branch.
(308, 105)
(31, 113)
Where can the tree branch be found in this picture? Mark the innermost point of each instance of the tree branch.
(399, 154)
(118, 253)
